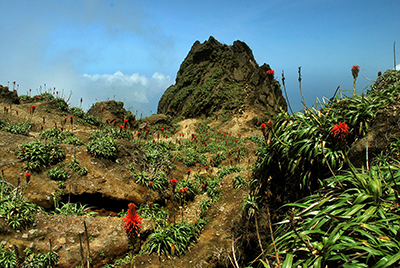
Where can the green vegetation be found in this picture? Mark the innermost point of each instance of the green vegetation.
(77, 168)
(15, 208)
(104, 147)
(38, 155)
(175, 239)
(75, 209)
(57, 174)
(335, 215)
(8, 258)
(18, 128)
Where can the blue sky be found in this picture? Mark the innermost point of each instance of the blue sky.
(131, 50)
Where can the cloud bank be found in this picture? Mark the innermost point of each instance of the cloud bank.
(138, 92)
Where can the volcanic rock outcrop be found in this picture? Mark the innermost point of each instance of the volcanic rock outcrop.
(216, 78)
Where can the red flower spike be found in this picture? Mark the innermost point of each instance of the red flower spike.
(27, 177)
(340, 130)
(33, 108)
(132, 221)
(271, 73)
(151, 184)
(174, 182)
(151, 205)
(355, 70)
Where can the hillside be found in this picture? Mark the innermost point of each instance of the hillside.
(86, 168)
(244, 185)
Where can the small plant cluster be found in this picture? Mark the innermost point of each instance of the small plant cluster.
(175, 239)
(57, 135)
(157, 157)
(58, 174)
(37, 155)
(113, 133)
(75, 209)
(8, 258)
(84, 118)
(103, 147)
(22, 128)
(155, 212)
(77, 168)
(14, 207)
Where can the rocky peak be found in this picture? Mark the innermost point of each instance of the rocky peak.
(216, 78)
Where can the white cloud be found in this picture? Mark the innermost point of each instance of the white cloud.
(398, 67)
(136, 91)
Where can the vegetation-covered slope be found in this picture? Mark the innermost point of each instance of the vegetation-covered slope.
(221, 79)
(333, 214)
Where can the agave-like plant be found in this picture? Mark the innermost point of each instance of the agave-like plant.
(354, 224)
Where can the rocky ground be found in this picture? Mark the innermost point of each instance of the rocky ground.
(108, 188)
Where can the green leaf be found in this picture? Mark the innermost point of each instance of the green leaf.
(287, 263)
(387, 261)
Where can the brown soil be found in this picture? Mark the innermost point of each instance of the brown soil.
(109, 186)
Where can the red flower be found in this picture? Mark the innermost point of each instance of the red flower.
(33, 108)
(151, 205)
(81, 99)
(27, 177)
(206, 167)
(203, 186)
(174, 182)
(354, 71)
(263, 126)
(195, 222)
(132, 221)
(151, 184)
(72, 119)
(188, 171)
(340, 130)
(184, 189)
(270, 72)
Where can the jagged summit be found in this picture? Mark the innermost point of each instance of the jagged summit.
(216, 78)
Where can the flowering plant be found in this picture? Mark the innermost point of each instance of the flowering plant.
(271, 72)
(340, 130)
(132, 221)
